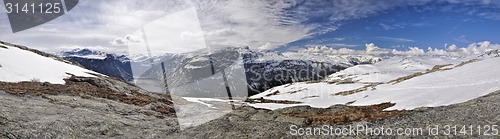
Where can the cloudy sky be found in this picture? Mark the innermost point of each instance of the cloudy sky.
(284, 25)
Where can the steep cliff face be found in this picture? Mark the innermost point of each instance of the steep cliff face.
(117, 66)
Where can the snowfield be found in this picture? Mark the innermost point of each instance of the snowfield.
(449, 85)
(440, 88)
(393, 68)
(21, 65)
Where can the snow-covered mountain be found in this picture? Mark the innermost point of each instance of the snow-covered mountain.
(83, 53)
(408, 81)
(113, 65)
(19, 63)
(254, 68)
(193, 66)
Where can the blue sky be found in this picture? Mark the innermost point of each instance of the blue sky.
(413, 26)
(283, 25)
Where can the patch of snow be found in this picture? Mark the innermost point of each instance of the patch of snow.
(440, 88)
(320, 95)
(100, 57)
(205, 101)
(298, 91)
(198, 100)
(274, 106)
(21, 65)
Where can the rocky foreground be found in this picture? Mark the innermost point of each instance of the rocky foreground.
(285, 123)
(93, 108)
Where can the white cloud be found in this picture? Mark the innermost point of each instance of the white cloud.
(222, 32)
(318, 49)
(386, 27)
(452, 48)
(248, 23)
(479, 48)
(462, 39)
(396, 39)
(267, 46)
(176, 33)
(225, 32)
(339, 39)
(414, 51)
(435, 51)
(472, 49)
(346, 51)
(93, 23)
(129, 38)
(186, 35)
(372, 49)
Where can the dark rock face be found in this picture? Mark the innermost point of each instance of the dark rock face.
(107, 64)
(263, 76)
(111, 66)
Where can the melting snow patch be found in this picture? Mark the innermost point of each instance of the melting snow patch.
(21, 65)
(99, 57)
(204, 100)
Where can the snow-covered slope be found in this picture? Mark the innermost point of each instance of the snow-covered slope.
(439, 88)
(392, 68)
(18, 65)
(410, 82)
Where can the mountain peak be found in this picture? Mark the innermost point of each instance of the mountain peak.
(91, 54)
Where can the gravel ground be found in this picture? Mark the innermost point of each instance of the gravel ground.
(75, 117)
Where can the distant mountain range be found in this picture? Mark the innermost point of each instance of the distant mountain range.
(117, 66)
(256, 71)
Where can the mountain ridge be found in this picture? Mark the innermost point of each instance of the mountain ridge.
(261, 62)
